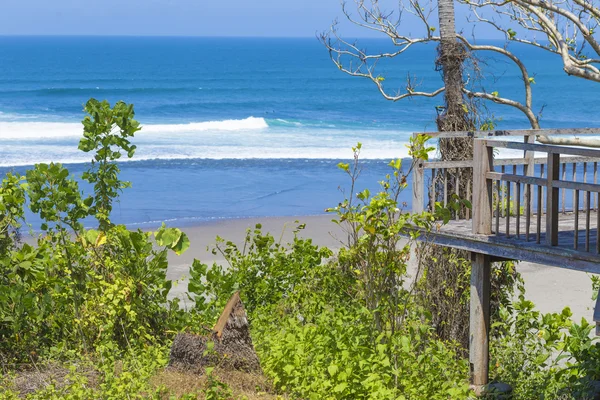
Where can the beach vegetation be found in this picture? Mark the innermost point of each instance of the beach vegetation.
(85, 312)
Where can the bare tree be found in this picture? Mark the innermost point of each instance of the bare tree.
(567, 28)
(453, 51)
(462, 91)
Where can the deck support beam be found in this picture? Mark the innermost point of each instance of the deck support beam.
(479, 324)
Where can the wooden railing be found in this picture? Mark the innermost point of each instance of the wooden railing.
(542, 199)
(529, 199)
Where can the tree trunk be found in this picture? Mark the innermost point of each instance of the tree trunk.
(451, 56)
(230, 345)
(445, 284)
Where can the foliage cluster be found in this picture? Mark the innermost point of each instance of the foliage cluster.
(543, 355)
(343, 326)
(76, 288)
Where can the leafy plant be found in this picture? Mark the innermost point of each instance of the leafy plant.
(106, 131)
(543, 355)
(78, 288)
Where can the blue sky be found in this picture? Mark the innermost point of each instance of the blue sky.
(282, 18)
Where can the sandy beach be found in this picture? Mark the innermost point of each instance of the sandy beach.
(551, 289)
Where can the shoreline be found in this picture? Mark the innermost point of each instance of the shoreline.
(569, 288)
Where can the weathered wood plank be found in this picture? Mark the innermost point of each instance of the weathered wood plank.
(479, 321)
(540, 160)
(532, 180)
(552, 200)
(482, 188)
(418, 188)
(546, 148)
(447, 164)
(561, 257)
(514, 132)
(588, 187)
(503, 161)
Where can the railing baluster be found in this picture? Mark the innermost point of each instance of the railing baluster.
(564, 191)
(539, 214)
(576, 230)
(518, 208)
(432, 189)
(507, 209)
(498, 207)
(587, 220)
(527, 210)
(457, 192)
(585, 200)
(552, 199)
(515, 184)
(469, 198)
(542, 174)
(503, 190)
(595, 182)
(597, 231)
(574, 179)
(445, 172)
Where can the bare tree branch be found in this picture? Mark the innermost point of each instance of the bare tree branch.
(568, 25)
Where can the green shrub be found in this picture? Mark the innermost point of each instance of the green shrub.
(345, 326)
(77, 289)
(543, 356)
(339, 356)
(263, 270)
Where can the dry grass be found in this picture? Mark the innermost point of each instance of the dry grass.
(246, 385)
(38, 377)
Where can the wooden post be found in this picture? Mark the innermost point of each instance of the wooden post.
(529, 169)
(418, 184)
(552, 199)
(483, 162)
(479, 321)
(418, 187)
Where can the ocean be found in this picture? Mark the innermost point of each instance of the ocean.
(241, 127)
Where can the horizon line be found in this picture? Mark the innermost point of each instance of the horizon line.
(4, 35)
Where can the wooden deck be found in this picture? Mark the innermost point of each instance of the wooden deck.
(458, 234)
(541, 210)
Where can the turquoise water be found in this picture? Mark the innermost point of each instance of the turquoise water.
(239, 127)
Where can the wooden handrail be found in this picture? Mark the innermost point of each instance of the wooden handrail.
(545, 148)
(521, 193)
(551, 182)
(530, 180)
(514, 132)
(503, 161)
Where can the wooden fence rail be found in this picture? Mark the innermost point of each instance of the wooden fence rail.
(520, 201)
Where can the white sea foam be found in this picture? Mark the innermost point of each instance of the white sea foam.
(47, 155)
(38, 130)
(26, 143)
(48, 130)
(249, 123)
